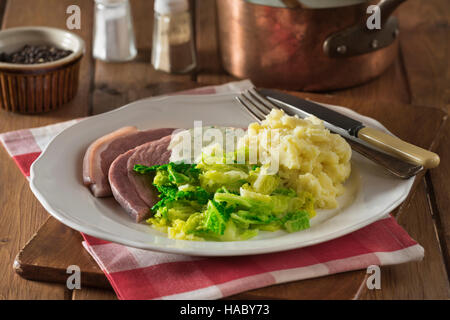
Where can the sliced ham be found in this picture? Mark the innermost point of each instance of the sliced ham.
(133, 191)
(102, 152)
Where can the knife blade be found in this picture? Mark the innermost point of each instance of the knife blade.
(333, 120)
(352, 128)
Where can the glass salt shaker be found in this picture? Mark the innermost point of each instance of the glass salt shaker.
(114, 39)
(173, 44)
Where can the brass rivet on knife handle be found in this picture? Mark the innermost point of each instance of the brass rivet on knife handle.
(400, 148)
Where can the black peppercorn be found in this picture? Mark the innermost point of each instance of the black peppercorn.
(30, 54)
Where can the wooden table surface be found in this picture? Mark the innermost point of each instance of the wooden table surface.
(420, 76)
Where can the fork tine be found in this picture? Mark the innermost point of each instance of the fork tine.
(258, 106)
(249, 109)
(263, 100)
(255, 104)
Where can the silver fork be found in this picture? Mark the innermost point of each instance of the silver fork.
(259, 107)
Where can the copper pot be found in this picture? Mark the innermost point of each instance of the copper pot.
(304, 48)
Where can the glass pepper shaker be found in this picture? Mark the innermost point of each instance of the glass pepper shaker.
(114, 38)
(173, 42)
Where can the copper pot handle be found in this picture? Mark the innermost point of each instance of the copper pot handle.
(359, 39)
(387, 7)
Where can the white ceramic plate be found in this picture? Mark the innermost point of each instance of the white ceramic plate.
(56, 180)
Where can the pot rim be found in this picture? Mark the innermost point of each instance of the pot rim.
(308, 4)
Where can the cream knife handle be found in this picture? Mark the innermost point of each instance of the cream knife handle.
(398, 147)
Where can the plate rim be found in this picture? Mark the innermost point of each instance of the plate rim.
(102, 234)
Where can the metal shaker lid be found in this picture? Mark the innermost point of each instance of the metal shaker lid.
(171, 6)
(110, 1)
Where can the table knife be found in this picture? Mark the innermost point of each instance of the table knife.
(352, 128)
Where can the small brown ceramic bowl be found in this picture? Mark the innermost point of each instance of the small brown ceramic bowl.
(35, 88)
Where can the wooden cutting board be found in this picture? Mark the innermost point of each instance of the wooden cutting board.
(55, 247)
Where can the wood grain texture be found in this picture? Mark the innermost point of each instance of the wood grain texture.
(21, 214)
(426, 48)
(391, 86)
(2, 10)
(93, 294)
(426, 279)
(425, 52)
(210, 70)
(425, 44)
(51, 250)
(438, 181)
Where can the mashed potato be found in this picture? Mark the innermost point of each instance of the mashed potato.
(310, 157)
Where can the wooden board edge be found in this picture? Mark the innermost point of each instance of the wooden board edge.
(54, 275)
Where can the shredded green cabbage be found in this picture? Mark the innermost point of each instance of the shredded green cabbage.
(224, 202)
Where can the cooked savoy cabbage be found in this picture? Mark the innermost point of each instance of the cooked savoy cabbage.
(224, 202)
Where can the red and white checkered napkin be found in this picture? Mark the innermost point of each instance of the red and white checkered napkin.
(141, 274)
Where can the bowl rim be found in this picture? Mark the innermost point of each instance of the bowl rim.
(38, 66)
